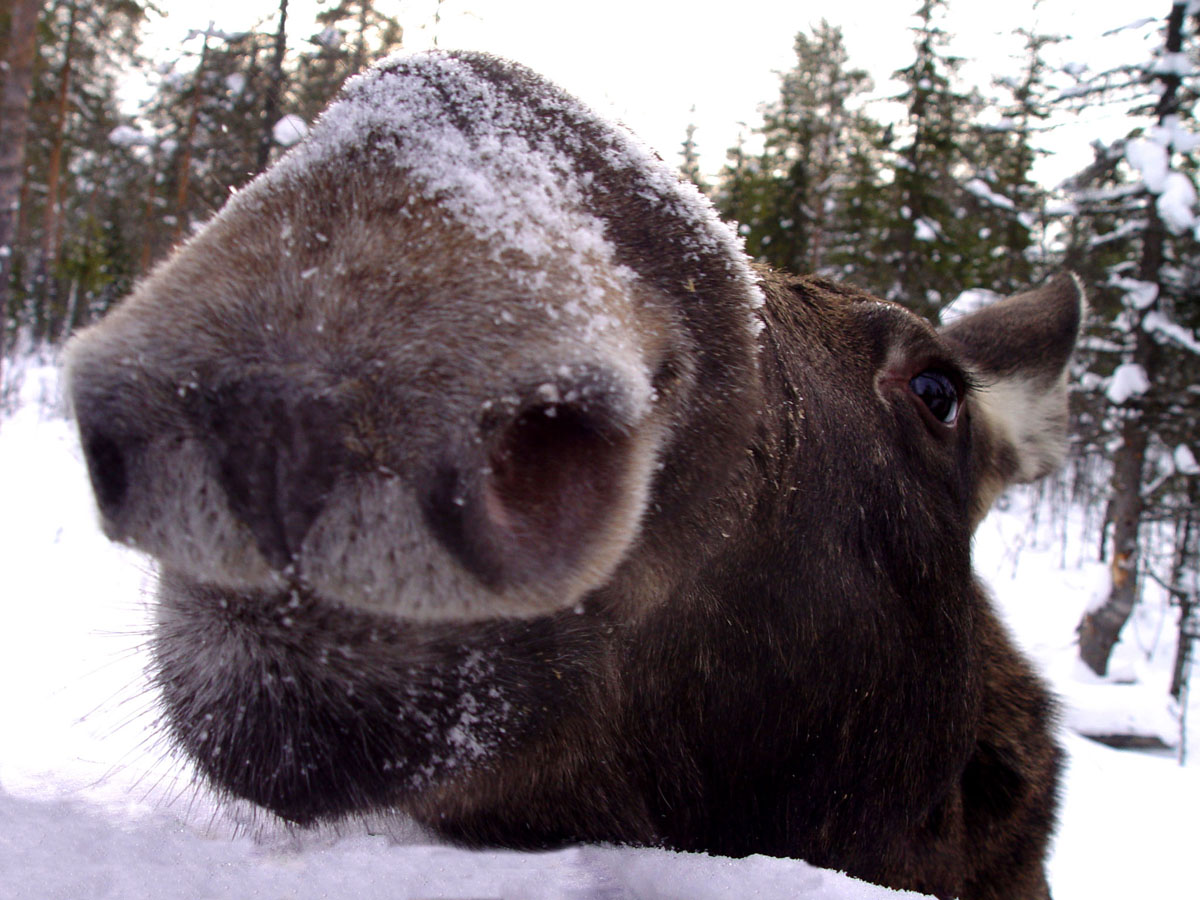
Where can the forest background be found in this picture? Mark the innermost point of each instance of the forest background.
(929, 190)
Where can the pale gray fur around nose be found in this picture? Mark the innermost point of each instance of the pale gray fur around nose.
(276, 449)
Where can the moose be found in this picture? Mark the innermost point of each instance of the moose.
(489, 482)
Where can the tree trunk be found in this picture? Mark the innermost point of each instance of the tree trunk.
(14, 121)
(274, 92)
(1100, 629)
(359, 59)
(184, 178)
(1185, 585)
(50, 225)
(147, 253)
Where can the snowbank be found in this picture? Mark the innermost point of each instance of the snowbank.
(64, 849)
(92, 806)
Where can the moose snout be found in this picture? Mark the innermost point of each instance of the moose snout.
(508, 497)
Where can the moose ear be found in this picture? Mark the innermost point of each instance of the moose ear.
(1018, 349)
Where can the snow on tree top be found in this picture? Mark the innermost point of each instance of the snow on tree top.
(1138, 294)
(1157, 323)
(1150, 157)
(289, 130)
(518, 162)
(213, 32)
(128, 136)
(1172, 132)
(1185, 461)
(926, 229)
(1177, 203)
(1132, 26)
(1128, 380)
(1178, 64)
(967, 302)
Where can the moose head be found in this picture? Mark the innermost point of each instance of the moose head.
(489, 481)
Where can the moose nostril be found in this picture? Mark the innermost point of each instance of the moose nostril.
(109, 472)
(278, 451)
(551, 485)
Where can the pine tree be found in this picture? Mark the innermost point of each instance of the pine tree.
(352, 35)
(85, 47)
(690, 166)
(205, 124)
(792, 200)
(930, 232)
(1028, 113)
(1136, 231)
(857, 213)
(1007, 205)
(20, 49)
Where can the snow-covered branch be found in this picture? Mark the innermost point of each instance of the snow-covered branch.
(212, 32)
(983, 191)
(1132, 26)
(1157, 324)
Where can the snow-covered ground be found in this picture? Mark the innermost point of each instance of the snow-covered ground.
(91, 804)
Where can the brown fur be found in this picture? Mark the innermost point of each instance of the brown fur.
(689, 570)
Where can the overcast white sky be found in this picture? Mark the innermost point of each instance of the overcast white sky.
(650, 62)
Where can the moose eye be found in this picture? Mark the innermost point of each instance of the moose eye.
(939, 394)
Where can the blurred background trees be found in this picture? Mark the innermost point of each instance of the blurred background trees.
(1134, 236)
(95, 186)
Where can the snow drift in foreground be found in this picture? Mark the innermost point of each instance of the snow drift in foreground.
(92, 805)
(59, 849)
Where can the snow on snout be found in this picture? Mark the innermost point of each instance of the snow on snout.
(473, 153)
(506, 163)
